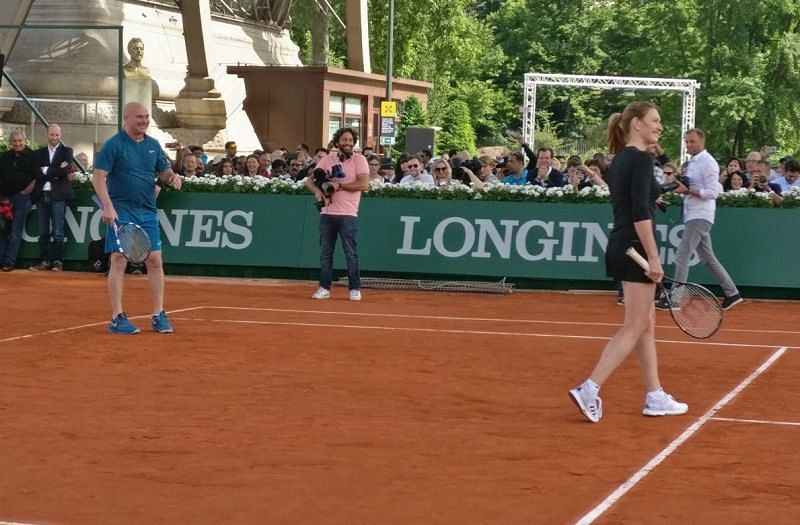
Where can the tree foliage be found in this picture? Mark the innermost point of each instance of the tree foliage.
(457, 132)
(745, 54)
(412, 115)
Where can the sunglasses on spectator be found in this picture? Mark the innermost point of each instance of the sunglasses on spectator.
(412, 166)
(669, 173)
(440, 168)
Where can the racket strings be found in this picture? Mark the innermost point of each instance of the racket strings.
(134, 242)
(695, 310)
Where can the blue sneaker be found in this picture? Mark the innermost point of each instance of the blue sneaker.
(161, 324)
(121, 325)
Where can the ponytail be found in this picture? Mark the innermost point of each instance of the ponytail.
(616, 137)
(619, 124)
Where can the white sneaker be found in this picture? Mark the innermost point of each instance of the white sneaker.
(321, 293)
(590, 406)
(355, 295)
(663, 405)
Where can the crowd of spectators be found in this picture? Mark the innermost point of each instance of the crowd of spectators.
(522, 166)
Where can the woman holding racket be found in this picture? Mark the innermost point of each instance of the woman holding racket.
(124, 181)
(634, 191)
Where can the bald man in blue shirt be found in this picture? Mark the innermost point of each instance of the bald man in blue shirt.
(124, 179)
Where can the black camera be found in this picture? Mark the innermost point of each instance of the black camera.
(672, 186)
(473, 165)
(322, 180)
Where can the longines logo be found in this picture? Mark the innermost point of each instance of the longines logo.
(198, 228)
(533, 240)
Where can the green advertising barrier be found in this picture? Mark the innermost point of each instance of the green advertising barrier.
(525, 240)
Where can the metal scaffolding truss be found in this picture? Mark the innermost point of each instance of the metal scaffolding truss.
(687, 87)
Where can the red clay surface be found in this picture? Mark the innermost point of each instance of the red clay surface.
(423, 408)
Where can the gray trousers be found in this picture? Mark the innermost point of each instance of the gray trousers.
(697, 238)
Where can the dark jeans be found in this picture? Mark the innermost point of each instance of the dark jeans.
(11, 239)
(347, 228)
(51, 222)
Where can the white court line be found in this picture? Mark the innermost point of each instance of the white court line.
(757, 421)
(451, 331)
(15, 523)
(78, 327)
(492, 319)
(680, 440)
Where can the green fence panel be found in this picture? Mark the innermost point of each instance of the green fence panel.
(529, 240)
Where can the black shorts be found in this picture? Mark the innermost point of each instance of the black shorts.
(619, 266)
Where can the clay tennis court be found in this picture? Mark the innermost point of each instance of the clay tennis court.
(409, 407)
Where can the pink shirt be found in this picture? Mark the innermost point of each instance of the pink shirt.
(344, 202)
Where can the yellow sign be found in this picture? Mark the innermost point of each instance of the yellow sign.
(388, 109)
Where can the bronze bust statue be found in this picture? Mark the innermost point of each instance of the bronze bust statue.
(134, 68)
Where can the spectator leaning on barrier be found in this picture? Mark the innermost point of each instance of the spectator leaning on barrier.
(598, 169)
(347, 176)
(51, 193)
(225, 167)
(17, 179)
(734, 165)
(188, 166)
(481, 169)
(759, 181)
(516, 174)
(699, 207)
(251, 166)
(412, 169)
(278, 169)
(540, 170)
(791, 176)
(442, 173)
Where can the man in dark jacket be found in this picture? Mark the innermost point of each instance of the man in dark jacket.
(17, 179)
(540, 170)
(51, 193)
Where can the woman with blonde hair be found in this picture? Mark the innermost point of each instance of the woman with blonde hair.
(442, 173)
(634, 191)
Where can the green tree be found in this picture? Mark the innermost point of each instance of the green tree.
(457, 132)
(412, 115)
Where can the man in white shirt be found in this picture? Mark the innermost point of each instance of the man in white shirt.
(699, 207)
(413, 173)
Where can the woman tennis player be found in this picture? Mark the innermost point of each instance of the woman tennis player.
(634, 191)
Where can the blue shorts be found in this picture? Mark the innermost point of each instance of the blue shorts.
(147, 219)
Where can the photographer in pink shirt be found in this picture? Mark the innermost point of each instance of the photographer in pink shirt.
(337, 182)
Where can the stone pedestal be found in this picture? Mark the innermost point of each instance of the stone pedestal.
(138, 90)
(199, 105)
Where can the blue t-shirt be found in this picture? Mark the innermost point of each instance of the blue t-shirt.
(516, 181)
(131, 168)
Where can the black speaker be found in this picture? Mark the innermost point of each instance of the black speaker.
(418, 139)
(2, 61)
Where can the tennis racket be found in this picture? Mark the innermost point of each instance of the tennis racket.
(694, 308)
(132, 241)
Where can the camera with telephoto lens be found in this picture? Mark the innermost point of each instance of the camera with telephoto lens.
(474, 165)
(322, 180)
(671, 186)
